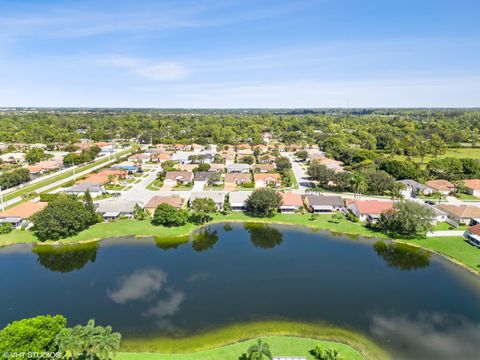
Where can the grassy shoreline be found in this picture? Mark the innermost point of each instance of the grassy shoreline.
(240, 334)
(454, 248)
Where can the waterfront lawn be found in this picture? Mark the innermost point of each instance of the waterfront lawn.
(472, 153)
(230, 340)
(455, 247)
(280, 345)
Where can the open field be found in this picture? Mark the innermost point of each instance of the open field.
(280, 345)
(472, 153)
(229, 342)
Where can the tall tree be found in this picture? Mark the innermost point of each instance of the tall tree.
(259, 351)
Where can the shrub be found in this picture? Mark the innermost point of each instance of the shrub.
(5, 228)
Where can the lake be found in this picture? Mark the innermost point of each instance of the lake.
(415, 305)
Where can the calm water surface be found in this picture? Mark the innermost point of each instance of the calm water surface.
(415, 305)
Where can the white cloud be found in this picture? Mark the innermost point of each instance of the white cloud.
(152, 70)
(140, 285)
(434, 336)
(167, 307)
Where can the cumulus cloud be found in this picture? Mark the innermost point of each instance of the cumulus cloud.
(168, 306)
(432, 336)
(140, 285)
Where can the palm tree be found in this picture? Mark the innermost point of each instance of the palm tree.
(106, 343)
(68, 340)
(396, 191)
(358, 184)
(439, 196)
(259, 351)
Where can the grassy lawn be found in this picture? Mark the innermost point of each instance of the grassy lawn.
(230, 342)
(472, 153)
(455, 247)
(279, 345)
(40, 184)
(444, 226)
(293, 179)
(155, 185)
(114, 187)
(467, 197)
(183, 187)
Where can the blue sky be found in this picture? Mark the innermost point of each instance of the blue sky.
(243, 53)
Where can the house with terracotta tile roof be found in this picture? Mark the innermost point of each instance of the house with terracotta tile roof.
(156, 201)
(369, 210)
(473, 235)
(269, 179)
(104, 176)
(263, 168)
(461, 214)
(444, 187)
(472, 186)
(140, 158)
(20, 215)
(291, 202)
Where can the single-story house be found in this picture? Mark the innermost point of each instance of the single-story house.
(263, 168)
(217, 167)
(205, 176)
(187, 167)
(461, 214)
(178, 177)
(269, 179)
(140, 158)
(323, 203)
(127, 166)
(444, 187)
(19, 215)
(153, 203)
(369, 210)
(473, 235)
(237, 179)
(472, 186)
(217, 196)
(106, 150)
(115, 209)
(182, 157)
(238, 168)
(291, 202)
(266, 159)
(440, 215)
(238, 200)
(80, 189)
(13, 157)
(161, 156)
(103, 177)
(415, 188)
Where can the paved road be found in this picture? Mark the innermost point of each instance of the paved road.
(300, 174)
(446, 233)
(63, 181)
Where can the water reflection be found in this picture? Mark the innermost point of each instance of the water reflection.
(264, 236)
(204, 239)
(170, 243)
(429, 336)
(142, 284)
(401, 256)
(66, 258)
(227, 227)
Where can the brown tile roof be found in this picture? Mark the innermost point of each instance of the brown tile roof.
(440, 185)
(154, 202)
(24, 210)
(372, 206)
(473, 184)
(475, 229)
(461, 211)
(265, 167)
(291, 199)
(272, 176)
(183, 175)
(102, 176)
(236, 178)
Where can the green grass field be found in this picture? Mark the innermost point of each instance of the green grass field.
(230, 341)
(472, 153)
(455, 247)
(280, 345)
